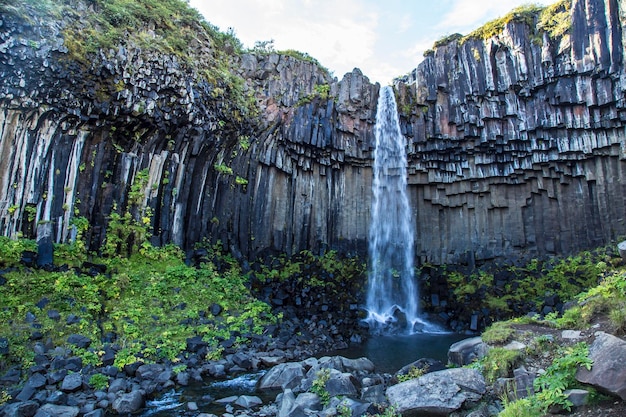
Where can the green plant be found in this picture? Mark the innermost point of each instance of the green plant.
(99, 381)
(555, 19)
(499, 362)
(319, 386)
(499, 332)
(413, 373)
(523, 407)
(179, 368)
(561, 375)
(5, 397)
(223, 169)
(344, 411)
(241, 181)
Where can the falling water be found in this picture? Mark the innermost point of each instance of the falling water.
(392, 292)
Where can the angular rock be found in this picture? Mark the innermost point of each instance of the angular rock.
(342, 383)
(72, 383)
(438, 393)
(608, 373)
(78, 340)
(467, 351)
(248, 401)
(21, 409)
(37, 380)
(285, 375)
(300, 406)
(129, 402)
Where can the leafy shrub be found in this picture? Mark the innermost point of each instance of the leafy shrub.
(319, 386)
(99, 381)
(414, 372)
(561, 375)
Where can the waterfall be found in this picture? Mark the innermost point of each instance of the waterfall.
(392, 295)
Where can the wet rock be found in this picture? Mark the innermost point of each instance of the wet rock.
(424, 365)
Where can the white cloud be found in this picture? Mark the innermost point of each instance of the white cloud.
(384, 40)
(340, 35)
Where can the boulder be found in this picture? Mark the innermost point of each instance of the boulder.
(21, 409)
(438, 393)
(72, 382)
(129, 403)
(357, 365)
(248, 401)
(341, 383)
(300, 406)
(285, 375)
(608, 373)
(467, 351)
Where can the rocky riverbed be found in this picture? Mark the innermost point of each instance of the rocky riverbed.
(58, 384)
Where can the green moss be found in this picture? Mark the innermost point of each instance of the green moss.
(554, 20)
(447, 39)
(526, 14)
(497, 333)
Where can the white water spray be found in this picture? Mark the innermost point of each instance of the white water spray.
(392, 292)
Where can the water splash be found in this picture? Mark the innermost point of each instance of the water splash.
(392, 297)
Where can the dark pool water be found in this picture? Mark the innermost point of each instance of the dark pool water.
(389, 354)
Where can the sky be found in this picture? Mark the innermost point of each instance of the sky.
(385, 39)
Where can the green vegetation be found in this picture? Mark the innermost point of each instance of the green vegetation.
(498, 363)
(223, 169)
(525, 14)
(320, 91)
(305, 269)
(99, 381)
(550, 387)
(554, 20)
(414, 372)
(150, 300)
(319, 386)
(167, 27)
(527, 287)
(498, 333)
(267, 47)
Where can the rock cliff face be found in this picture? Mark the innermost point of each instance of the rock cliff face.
(520, 146)
(516, 146)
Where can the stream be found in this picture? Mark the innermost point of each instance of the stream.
(389, 353)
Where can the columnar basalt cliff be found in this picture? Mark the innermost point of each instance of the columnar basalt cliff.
(516, 142)
(519, 149)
